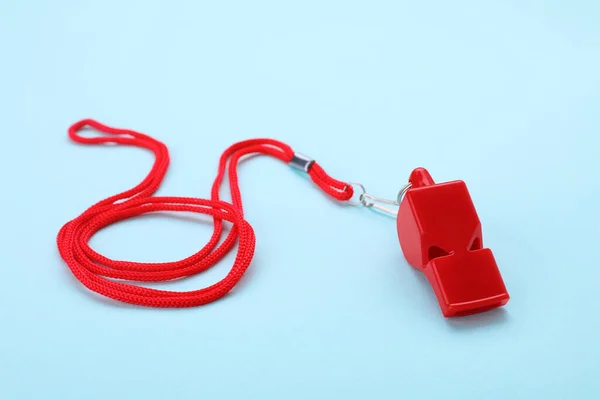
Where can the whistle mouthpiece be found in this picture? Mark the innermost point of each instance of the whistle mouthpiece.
(440, 234)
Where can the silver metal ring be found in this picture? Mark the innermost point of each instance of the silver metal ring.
(360, 196)
(402, 192)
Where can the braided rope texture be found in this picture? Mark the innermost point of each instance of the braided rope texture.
(103, 275)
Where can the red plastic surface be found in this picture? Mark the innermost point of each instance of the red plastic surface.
(440, 234)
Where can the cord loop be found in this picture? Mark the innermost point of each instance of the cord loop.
(98, 273)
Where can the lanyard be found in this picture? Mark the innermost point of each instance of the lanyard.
(438, 228)
(98, 272)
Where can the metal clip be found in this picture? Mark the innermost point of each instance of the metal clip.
(368, 200)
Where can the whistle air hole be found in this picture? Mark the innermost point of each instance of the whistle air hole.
(436, 252)
(476, 245)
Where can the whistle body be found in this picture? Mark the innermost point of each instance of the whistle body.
(440, 234)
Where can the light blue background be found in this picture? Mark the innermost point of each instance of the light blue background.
(504, 95)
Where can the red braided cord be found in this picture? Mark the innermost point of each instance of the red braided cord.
(101, 274)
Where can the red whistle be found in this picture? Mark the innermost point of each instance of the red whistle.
(440, 234)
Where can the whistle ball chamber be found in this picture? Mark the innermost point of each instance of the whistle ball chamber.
(440, 234)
